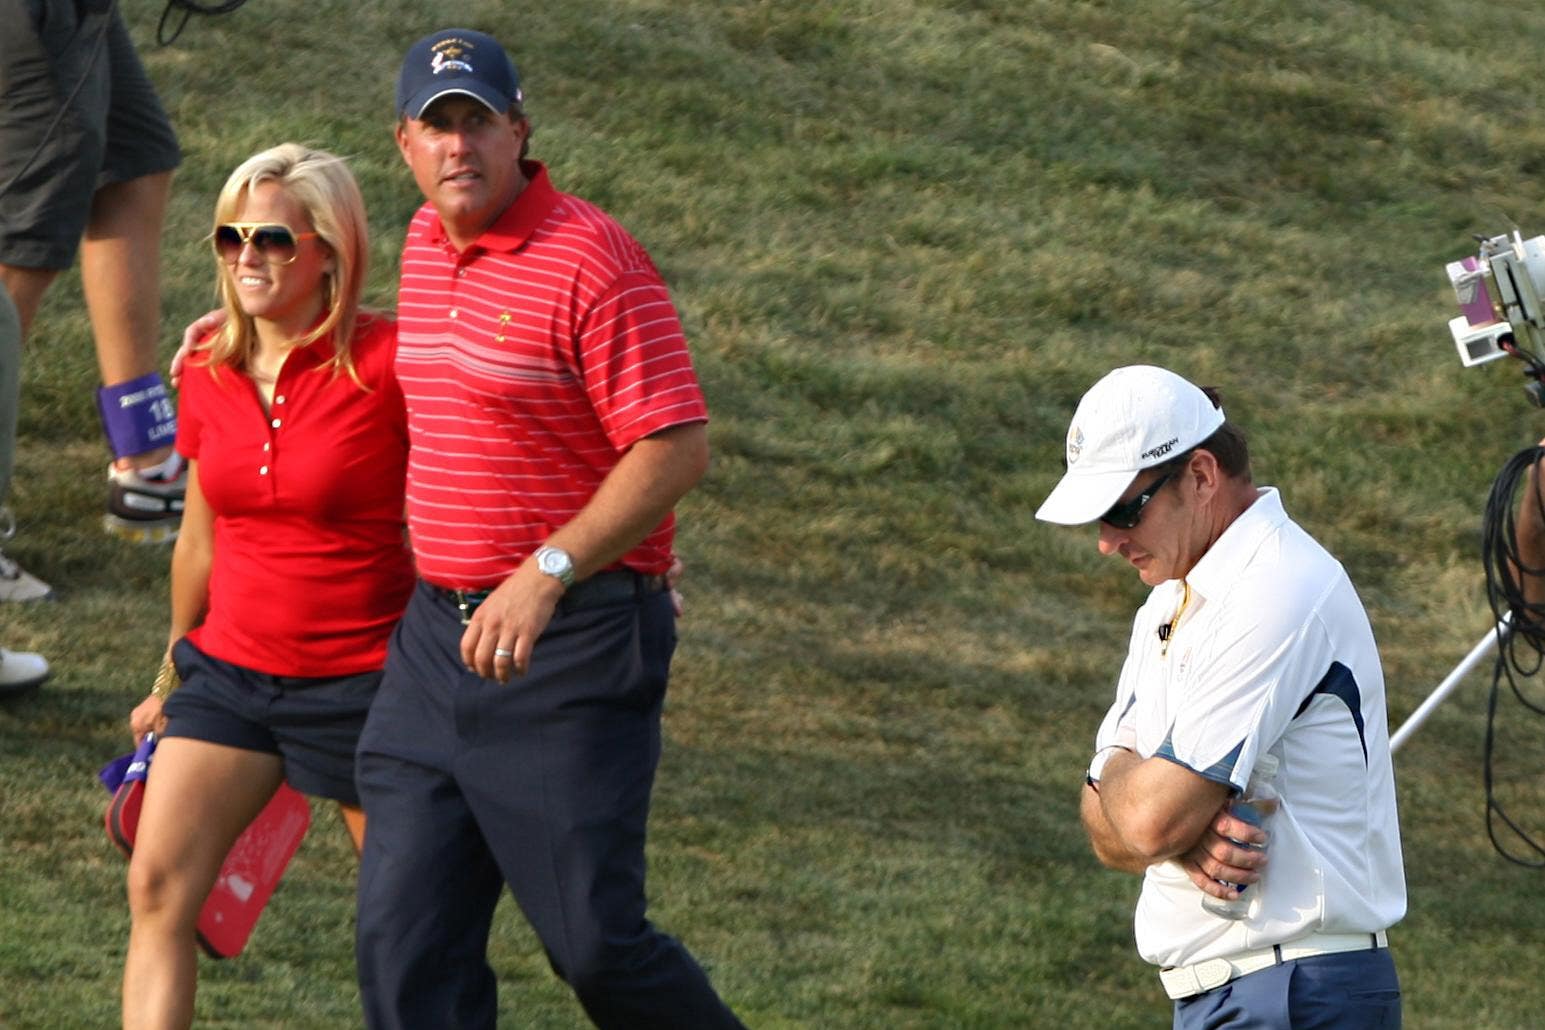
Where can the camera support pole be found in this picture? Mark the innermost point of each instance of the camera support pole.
(1493, 638)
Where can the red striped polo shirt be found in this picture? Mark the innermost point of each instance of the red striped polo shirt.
(530, 362)
(310, 570)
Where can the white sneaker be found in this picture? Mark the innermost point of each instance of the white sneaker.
(145, 505)
(20, 670)
(16, 584)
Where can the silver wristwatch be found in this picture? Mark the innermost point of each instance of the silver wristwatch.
(555, 562)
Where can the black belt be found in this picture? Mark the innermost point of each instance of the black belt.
(603, 588)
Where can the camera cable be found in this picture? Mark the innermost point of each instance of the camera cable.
(1521, 652)
(188, 8)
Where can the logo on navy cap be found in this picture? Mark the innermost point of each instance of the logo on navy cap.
(448, 57)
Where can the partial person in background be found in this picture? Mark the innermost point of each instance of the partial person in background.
(20, 671)
(86, 161)
(555, 422)
(1252, 652)
(1529, 539)
(291, 568)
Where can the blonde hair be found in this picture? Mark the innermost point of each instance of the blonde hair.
(322, 184)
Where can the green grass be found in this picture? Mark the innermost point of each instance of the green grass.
(905, 235)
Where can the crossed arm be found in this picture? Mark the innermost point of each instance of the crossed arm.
(1149, 810)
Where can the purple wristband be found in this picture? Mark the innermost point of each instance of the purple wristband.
(138, 416)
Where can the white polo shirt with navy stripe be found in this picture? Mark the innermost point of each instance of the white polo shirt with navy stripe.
(1273, 652)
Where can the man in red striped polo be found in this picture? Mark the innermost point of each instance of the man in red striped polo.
(555, 420)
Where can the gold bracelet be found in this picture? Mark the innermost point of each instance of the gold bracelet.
(166, 679)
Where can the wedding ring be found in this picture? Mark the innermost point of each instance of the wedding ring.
(500, 652)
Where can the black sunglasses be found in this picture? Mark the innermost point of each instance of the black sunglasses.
(1127, 514)
(275, 241)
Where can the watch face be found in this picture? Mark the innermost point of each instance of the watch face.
(554, 562)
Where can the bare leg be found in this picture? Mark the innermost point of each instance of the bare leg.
(26, 287)
(354, 819)
(198, 799)
(120, 266)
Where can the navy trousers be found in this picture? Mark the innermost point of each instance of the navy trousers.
(1353, 990)
(542, 784)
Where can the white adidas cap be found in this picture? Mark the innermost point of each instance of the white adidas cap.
(1134, 418)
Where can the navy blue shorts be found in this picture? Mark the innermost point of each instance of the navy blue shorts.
(312, 723)
(77, 112)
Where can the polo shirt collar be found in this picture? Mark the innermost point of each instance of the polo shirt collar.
(1220, 566)
(518, 222)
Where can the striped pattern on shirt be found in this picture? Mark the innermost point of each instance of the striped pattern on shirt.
(530, 362)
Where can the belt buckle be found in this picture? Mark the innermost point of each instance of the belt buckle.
(466, 604)
(1181, 982)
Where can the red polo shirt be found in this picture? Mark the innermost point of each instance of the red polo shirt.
(531, 362)
(311, 571)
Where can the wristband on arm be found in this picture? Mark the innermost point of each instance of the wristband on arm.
(166, 680)
(138, 415)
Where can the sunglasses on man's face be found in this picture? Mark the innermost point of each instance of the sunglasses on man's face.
(1127, 514)
(276, 242)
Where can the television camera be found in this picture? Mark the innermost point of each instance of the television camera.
(1502, 314)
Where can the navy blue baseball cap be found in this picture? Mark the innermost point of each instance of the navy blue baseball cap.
(456, 61)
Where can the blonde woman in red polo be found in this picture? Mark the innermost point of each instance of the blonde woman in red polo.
(290, 571)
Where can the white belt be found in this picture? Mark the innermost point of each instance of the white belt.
(1199, 977)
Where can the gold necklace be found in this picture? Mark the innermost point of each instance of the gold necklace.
(1167, 631)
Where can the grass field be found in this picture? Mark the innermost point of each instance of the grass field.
(905, 235)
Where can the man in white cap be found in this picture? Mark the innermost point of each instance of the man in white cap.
(1252, 651)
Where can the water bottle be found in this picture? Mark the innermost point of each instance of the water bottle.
(1245, 808)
